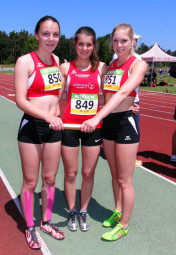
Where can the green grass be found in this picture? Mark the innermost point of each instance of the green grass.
(11, 65)
(6, 69)
(8, 72)
(169, 89)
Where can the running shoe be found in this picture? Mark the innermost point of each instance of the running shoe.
(32, 238)
(116, 233)
(173, 158)
(52, 230)
(73, 223)
(116, 216)
(84, 226)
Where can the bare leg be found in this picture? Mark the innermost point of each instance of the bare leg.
(70, 160)
(110, 156)
(50, 164)
(125, 155)
(30, 170)
(90, 157)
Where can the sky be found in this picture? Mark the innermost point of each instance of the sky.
(153, 19)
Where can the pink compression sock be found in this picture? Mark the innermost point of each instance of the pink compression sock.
(50, 202)
(28, 209)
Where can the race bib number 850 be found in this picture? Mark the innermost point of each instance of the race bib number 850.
(52, 78)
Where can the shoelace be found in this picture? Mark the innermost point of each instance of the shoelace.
(83, 217)
(53, 227)
(113, 215)
(73, 217)
(116, 229)
(33, 235)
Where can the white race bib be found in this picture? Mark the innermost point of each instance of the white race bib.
(52, 78)
(112, 79)
(84, 104)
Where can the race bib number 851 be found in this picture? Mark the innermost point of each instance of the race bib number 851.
(112, 79)
(83, 104)
(52, 78)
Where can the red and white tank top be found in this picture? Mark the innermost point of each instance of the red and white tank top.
(117, 75)
(45, 79)
(82, 95)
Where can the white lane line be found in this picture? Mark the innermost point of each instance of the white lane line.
(6, 88)
(149, 116)
(158, 175)
(7, 99)
(151, 109)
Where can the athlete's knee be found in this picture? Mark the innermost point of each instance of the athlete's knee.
(49, 180)
(71, 176)
(29, 186)
(124, 182)
(88, 175)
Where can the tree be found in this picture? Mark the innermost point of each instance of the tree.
(4, 49)
(142, 49)
(65, 49)
(31, 44)
(17, 44)
(105, 52)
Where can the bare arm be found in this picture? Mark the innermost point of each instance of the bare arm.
(137, 74)
(103, 70)
(64, 70)
(135, 108)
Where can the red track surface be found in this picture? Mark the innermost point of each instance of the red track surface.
(12, 240)
(157, 126)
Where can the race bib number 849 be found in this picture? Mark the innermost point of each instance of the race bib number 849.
(84, 104)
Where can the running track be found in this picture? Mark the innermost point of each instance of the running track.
(157, 127)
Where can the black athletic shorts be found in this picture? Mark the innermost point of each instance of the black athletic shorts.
(121, 127)
(71, 138)
(37, 131)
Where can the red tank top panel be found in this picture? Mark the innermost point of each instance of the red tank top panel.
(83, 89)
(117, 75)
(45, 79)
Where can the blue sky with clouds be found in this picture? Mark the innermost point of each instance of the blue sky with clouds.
(153, 19)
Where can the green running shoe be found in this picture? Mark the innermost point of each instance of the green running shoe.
(116, 216)
(115, 233)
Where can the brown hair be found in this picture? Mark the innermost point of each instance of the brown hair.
(94, 56)
(44, 19)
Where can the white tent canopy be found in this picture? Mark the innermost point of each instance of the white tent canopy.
(155, 54)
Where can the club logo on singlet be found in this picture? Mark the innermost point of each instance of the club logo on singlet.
(84, 86)
(112, 79)
(39, 65)
(52, 78)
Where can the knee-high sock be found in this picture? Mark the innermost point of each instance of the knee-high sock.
(28, 209)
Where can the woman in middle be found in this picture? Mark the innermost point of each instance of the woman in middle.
(83, 78)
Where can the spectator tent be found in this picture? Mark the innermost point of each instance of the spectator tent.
(155, 54)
